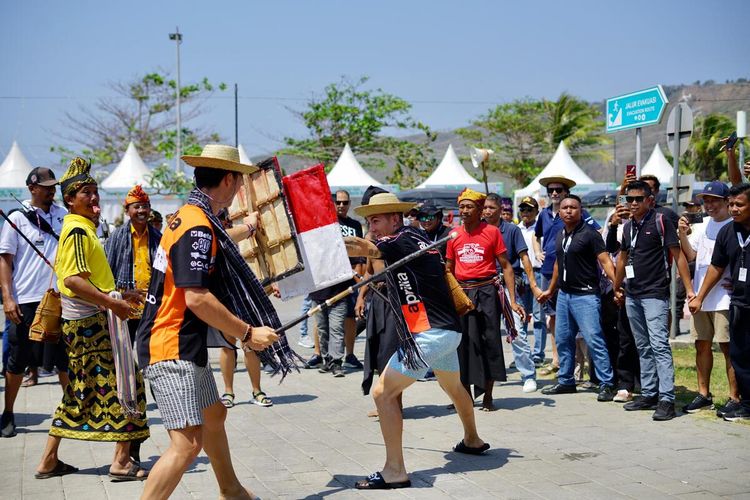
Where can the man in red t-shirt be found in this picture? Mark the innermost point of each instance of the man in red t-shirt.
(472, 257)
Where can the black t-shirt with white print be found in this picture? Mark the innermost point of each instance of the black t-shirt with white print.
(423, 293)
(578, 267)
(729, 253)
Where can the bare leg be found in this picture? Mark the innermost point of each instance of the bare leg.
(184, 446)
(122, 462)
(227, 362)
(704, 363)
(734, 391)
(450, 382)
(216, 446)
(316, 340)
(64, 379)
(390, 385)
(252, 363)
(487, 403)
(49, 455)
(350, 334)
(12, 385)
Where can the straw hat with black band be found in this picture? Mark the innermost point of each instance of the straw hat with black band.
(384, 203)
(221, 157)
(568, 183)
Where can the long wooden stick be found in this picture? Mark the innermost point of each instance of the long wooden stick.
(349, 291)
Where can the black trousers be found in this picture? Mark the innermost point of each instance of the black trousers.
(739, 350)
(611, 337)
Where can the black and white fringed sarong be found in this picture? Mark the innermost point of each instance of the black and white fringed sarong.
(243, 294)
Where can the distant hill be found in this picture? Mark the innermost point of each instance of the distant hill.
(709, 97)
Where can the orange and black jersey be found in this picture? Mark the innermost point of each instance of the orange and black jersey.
(185, 259)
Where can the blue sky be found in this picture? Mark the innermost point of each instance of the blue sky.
(451, 59)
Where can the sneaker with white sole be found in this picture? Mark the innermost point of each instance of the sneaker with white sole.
(306, 342)
(529, 385)
(623, 396)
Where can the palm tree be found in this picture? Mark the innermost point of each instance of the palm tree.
(579, 124)
(704, 156)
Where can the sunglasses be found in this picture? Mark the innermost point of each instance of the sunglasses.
(525, 209)
(426, 218)
(342, 202)
(555, 190)
(636, 199)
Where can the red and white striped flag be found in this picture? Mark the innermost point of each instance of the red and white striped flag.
(318, 234)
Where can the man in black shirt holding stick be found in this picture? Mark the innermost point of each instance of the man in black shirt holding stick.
(732, 249)
(580, 251)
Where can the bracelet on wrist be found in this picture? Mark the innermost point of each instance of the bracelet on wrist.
(248, 334)
(251, 230)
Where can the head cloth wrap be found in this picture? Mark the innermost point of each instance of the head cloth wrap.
(471, 195)
(136, 195)
(77, 175)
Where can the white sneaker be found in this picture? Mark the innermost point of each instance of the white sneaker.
(529, 385)
(623, 396)
(306, 342)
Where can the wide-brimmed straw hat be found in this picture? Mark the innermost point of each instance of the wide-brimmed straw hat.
(569, 183)
(384, 203)
(220, 156)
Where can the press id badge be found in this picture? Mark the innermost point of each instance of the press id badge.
(743, 274)
(629, 272)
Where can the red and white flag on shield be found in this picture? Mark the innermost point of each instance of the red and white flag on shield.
(318, 234)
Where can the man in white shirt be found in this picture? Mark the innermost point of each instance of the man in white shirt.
(711, 323)
(528, 210)
(24, 277)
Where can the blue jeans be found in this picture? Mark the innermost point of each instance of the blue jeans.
(648, 320)
(522, 351)
(529, 303)
(331, 331)
(306, 306)
(581, 313)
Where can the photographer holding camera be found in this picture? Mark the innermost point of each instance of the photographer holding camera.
(711, 323)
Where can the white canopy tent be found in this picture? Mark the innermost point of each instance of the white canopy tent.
(130, 171)
(244, 159)
(561, 164)
(15, 168)
(449, 172)
(658, 166)
(347, 172)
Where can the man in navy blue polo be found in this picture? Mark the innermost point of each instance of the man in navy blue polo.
(548, 226)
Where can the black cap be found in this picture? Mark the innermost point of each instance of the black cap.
(429, 208)
(370, 192)
(41, 176)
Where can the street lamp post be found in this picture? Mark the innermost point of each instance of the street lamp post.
(177, 37)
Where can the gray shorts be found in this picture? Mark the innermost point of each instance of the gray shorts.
(182, 390)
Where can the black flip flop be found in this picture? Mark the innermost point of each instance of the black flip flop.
(462, 448)
(130, 475)
(61, 469)
(375, 481)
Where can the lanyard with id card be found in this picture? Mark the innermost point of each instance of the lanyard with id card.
(567, 241)
(742, 277)
(629, 269)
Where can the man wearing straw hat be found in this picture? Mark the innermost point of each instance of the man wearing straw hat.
(428, 331)
(199, 280)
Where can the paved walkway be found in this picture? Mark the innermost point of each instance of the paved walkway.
(316, 441)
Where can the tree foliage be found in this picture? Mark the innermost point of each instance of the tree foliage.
(525, 133)
(142, 111)
(347, 112)
(704, 157)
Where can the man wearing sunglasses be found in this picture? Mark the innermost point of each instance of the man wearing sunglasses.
(548, 226)
(644, 266)
(430, 217)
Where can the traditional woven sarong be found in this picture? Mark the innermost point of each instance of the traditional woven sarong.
(480, 353)
(90, 409)
(382, 338)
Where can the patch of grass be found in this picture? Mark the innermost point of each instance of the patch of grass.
(686, 375)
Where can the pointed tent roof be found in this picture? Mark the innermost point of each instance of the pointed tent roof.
(130, 171)
(658, 165)
(561, 164)
(449, 172)
(243, 156)
(348, 172)
(15, 168)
